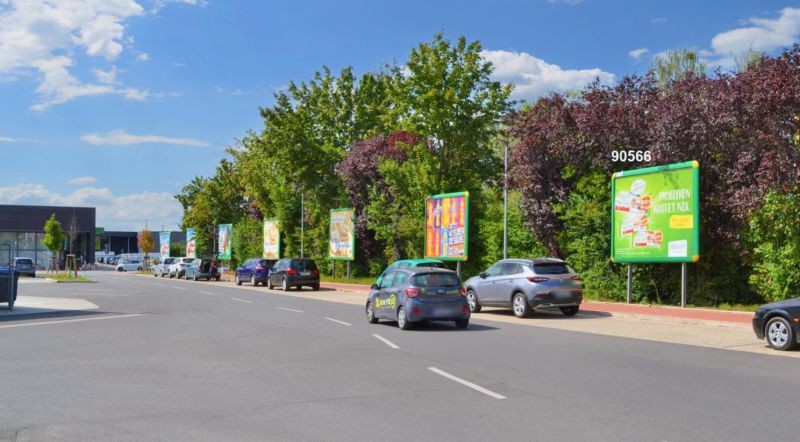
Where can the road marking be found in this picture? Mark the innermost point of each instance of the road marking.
(386, 341)
(290, 310)
(242, 300)
(180, 288)
(469, 384)
(158, 284)
(63, 321)
(338, 321)
(208, 293)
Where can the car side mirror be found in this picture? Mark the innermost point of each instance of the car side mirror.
(483, 275)
(374, 287)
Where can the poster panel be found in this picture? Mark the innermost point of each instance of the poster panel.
(342, 245)
(447, 226)
(163, 241)
(191, 243)
(224, 239)
(272, 239)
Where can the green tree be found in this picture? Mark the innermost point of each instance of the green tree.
(676, 65)
(776, 246)
(145, 244)
(247, 241)
(53, 238)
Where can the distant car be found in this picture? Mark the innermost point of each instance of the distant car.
(24, 266)
(178, 267)
(129, 265)
(406, 263)
(294, 272)
(779, 323)
(205, 268)
(161, 267)
(524, 285)
(255, 271)
(415, 294)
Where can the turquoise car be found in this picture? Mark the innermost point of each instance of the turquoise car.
(408, 263)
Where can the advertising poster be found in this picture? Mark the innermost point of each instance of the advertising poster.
(342, 235)
(191, 243)
(224, 238)
(163, 241)
(655, 214)
(272, 239)
(446, 226)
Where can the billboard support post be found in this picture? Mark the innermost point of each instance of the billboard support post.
(348, 269)
(630, 283)
(458, 268)
(684, 268)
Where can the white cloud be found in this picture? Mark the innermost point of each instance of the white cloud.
(119, 137)
(636, 54)
(82, 181)
(144, 56)
(4, 139)
(43, 37)
(762, 35)
(106, 77)
(533, 77)
(114, 212)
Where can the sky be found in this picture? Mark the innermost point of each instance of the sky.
(116, 104)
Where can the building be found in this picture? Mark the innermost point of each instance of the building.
(127, 242)
(22, 232)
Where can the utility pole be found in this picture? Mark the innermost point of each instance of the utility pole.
(505, 203)
(302, 223)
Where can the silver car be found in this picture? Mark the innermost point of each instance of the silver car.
(524, 285)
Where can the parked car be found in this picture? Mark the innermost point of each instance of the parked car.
(779, 323)
(524, 285)
(415, 294)
(161, 267)
(294, 272)
(125, 265)
(24, 266)
(255, 271)
(203, 268)
(406, 263)
(178, 267)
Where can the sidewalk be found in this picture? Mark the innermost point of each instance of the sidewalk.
(620, 309)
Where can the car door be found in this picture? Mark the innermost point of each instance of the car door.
(508, 281)
(277, 273)
(485, 289)
(391, 267)
(246, 270)
(382, 302)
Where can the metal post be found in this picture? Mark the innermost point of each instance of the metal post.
(348, 269)
(302, 223)
(334, 269)
(505, 205)
(630, 283)
(458, 268)
(684, 268)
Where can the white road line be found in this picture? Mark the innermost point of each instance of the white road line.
(386, 341)
(290, 310)
(63, 321)
(338, 321)
(208, 293)
(469, 384)
(242, 300)
(180, 288)
(158, 284)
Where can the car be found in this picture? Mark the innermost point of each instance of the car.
(24, 266)
(203, 268)
(406, 263)
(779, 323)
(126, 265)
(294, 272)
(161, 267)
(178, 267)
(255, 271)
(414, 294)
(525, 285)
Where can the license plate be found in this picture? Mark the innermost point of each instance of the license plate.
(306, 273)
(439, 311)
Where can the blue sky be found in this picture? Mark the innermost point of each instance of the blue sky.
(118, 103)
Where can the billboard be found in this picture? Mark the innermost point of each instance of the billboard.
(163, 241)
(272, 239)
(224, 240)
(446, 226)
(655, 214)
(191, 243)
(342, 243)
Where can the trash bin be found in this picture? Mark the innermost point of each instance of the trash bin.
(9, 280)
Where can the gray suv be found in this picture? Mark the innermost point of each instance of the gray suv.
(524, 285)
(162, 267)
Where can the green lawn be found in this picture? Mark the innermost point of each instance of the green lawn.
(67, 278)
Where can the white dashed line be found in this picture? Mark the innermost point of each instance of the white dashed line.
(469, 384)
(64, 321)
(180, 288)
(338, 321)
(242, 300)
(386, 341)
(158, 284)
(290, 310)
(208, 293)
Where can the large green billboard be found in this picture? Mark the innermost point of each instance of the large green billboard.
(655, 214)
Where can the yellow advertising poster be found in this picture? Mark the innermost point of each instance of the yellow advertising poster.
(272, 239)
(342, 235)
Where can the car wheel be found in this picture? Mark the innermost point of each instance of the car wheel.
(462, 323)
(285, 285)
(520, 306)
(780, 334)
(269, 283)
(236, 279)
(569, 311)
(253, 280)
(315, 287)
(371, 318)
(155, 275)
(119, 269)
(298, 287)
(402, 319)
(472, 300)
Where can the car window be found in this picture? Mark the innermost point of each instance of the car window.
(552, 268)
(435, 280)
(388, 280)
(25, 261)
(188, 259)
(402, 265)
(495, 269)
(511, 268)
(304, 264)
(434, 264)
(400, 279)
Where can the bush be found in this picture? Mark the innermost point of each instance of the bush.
(775, 237)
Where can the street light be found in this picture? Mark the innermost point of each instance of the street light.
(505, 202)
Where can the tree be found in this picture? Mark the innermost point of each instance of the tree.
(53, 238)
(146, 244)
(676, 65)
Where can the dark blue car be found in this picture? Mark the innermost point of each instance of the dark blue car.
(418, 294)
(779, 323)
(254, 271)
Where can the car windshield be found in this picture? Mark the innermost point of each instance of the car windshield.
(169, 260)
(436, 265)
(266, 263)
(303, 264)
(552, 268)
(435, 280)
(25, 261)
(187, 259)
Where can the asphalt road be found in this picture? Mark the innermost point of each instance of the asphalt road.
(177, 360)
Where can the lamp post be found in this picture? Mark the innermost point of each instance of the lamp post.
(302, 222)
(505, 202)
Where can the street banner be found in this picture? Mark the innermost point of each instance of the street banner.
(655, 214)
(225, 231)
(272, 239)
(447, 226)
(342, 245)
(191, 243)
(163, 241)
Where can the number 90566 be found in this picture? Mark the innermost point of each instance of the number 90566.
(630, 155)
